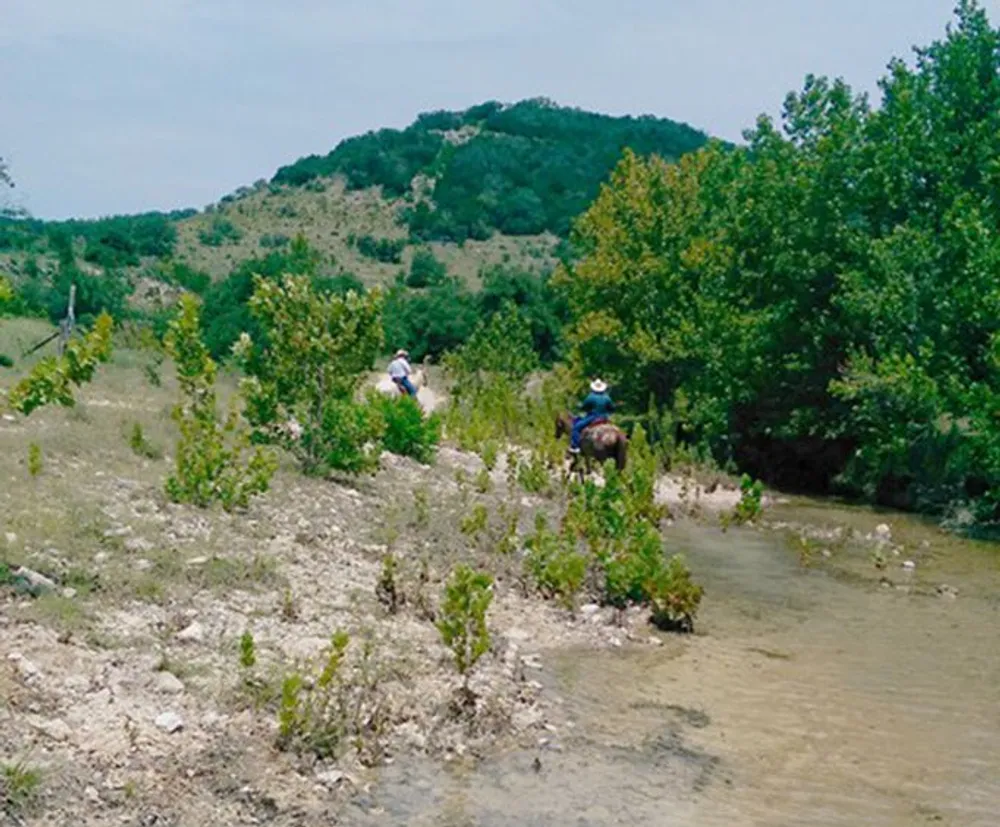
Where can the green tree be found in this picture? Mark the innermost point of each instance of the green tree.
(820, 305)
(51, 381)
(304, 374)
(209, 456)
(425, 269)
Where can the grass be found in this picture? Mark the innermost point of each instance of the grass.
(20, 785)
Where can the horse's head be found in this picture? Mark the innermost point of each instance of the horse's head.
(563, 425)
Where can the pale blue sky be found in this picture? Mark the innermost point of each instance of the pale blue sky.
(123, 105)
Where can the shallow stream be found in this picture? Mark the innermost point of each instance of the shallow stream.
(818, 690)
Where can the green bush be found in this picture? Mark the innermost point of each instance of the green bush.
(554, 564)
(673, 596)
(209, 456)
(386, 250)
(347, 438)
(749, 507)
(462, 624)
(52, 379)
(304, 371)
(425, 269)
(220, 232)
(406, 431)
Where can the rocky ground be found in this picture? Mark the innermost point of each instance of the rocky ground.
(122, 700)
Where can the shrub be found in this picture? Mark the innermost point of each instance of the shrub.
(533, 475)
(475, 522)
(183, 275)
(272, 241)
(425, 269)
(35, 462)
(140, 445)
(386, 250)
(327, 707)
(310, 719)
(220, 232)
(406, 432)
(303, 375)
(19, 788)
(51, 380)
(462, 624)
(749, 507)
(209, 455)
(554, 564)
(673, 596)
(346, 438)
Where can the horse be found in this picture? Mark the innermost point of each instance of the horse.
(418, 378)
(602, 441)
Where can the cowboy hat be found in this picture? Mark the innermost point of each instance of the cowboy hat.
(597, 386)
(401, 352)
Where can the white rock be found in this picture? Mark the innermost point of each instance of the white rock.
(76, 683)
(330, 778)
(589, 609)
(883, 532)
(25, 667)
(138, 545)
(36, 579)
(101, 557)
(195, 633)
(56, 729)
(213, 719)
(10, 537)
(197, 561)
(169, 722)
(168, 683)
(69, 593)
(143, 564)
(9, 418)
(909, 565)
(92, 795)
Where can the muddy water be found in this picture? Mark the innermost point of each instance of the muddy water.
(811, 695)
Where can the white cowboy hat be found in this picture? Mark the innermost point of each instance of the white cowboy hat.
(597, 386)
(401, 352)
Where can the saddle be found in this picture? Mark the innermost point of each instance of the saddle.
(602, 420)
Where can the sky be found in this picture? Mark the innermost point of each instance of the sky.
(114, 106)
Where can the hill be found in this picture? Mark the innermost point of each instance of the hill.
(520, 170)
(455, 201)
(523, 170)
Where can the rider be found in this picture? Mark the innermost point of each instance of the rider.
(597, 405)
(399, 372)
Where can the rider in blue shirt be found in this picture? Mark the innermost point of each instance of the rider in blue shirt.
(597, 405)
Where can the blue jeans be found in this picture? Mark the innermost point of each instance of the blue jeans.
(405, 383)
(579, 424)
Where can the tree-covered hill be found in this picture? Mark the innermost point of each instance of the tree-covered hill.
(518, 169)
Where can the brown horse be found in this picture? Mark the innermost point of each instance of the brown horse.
(602, 442)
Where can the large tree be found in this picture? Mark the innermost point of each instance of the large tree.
(821, 304)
